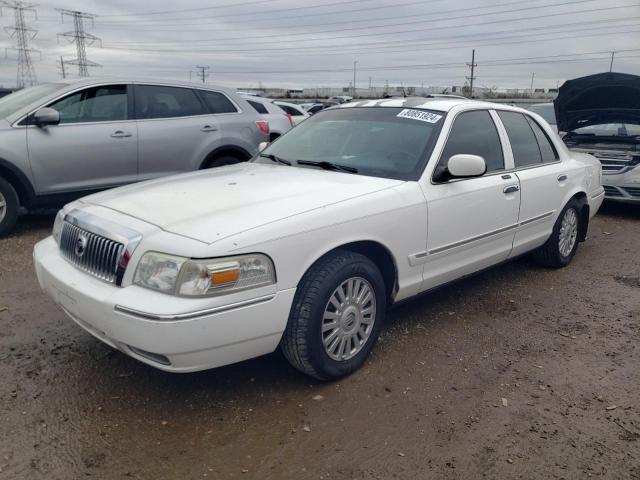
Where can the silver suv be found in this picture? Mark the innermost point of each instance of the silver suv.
(67, 139)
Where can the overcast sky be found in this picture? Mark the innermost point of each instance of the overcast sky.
(313, 43)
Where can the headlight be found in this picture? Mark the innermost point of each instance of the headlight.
(57, 226)
(198, 278)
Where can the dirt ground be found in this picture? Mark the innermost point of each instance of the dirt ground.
(519, 372)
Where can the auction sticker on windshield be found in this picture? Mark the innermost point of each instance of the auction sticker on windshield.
(419, 115)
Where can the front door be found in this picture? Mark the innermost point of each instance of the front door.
(95, 146)
(471, 222)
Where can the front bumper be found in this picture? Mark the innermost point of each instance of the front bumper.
(623, 187)
(176, 335)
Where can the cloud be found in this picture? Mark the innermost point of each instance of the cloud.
(312, 44)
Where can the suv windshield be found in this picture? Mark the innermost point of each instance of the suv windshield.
(20, 99)
(376, 141)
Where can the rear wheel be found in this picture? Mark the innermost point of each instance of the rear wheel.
(560, 248)
(336, 316)
(9, 206)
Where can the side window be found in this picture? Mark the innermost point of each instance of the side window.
(523, 141)
(156, 101)
(97, 104)
(258, 107)
(290, 110)
(473, 133)
(217, 102)
(547, 149)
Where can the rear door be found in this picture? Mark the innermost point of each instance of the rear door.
(471, 222)
(544, 180)
(175, 130)
(94, 146)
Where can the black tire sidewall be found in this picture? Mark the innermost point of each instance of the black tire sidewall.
(12, 207)
(565, 260)
(325, 365)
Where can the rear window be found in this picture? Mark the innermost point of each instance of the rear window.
(377, 141)
(258, 107)
(217, 102)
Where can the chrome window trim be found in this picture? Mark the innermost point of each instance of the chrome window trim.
(70, 92)
(191, 315)
(502, 146)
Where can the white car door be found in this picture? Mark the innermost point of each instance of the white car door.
(544, 179)
(471, 221)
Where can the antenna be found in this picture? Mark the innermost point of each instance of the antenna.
(81, 39)
(22, 35)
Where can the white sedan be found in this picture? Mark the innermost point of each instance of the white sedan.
(306, 246)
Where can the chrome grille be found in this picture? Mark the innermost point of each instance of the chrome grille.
(612, 191)
(633, 191)
(613, 161)
(96, 255)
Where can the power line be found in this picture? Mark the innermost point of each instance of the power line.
(80, 38)
(22, 34)
(202, 72)
(384, 25)
(184, 10)
(324, 49)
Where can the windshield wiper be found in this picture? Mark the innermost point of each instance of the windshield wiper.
(328, 166)
(272, 157)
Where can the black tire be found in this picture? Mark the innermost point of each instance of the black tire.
(549, 254)
(11, 207)
(302, 342)
(222, 160)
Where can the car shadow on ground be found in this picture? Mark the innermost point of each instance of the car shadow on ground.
(620, 210)
(30, 222)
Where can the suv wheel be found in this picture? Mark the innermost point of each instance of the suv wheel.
(222, 160)
(9, 205)
(560, 248)
(336, 316)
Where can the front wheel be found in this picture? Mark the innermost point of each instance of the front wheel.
(9, 206)
(560, 248)
(336, 316)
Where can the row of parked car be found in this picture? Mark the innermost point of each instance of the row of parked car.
(66, 139)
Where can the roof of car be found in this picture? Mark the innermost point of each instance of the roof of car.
(150, 80)
(441, 103)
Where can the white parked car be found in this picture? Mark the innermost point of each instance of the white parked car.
(298, 114)
(306, 246)
(280, 122)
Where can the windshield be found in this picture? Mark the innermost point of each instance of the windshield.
(376, 141)
(610, 130)
(20, 99)
(546, 111)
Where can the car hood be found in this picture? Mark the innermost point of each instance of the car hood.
(598, 99)
(214, 204)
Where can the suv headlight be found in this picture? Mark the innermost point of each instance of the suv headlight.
(199, 278)
(57, 226)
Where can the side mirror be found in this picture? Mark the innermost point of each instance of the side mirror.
(463, 166)
(46, 116)
(262, 146)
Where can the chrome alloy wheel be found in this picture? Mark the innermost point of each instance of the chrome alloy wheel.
(3, 207)
(568, 232)
(348, 318)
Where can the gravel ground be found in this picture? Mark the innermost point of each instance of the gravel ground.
(519, 372)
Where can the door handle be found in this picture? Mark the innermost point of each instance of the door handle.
(208, 128)
(120, 134)
(506, 177)
(562, 178)
(511, 189)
